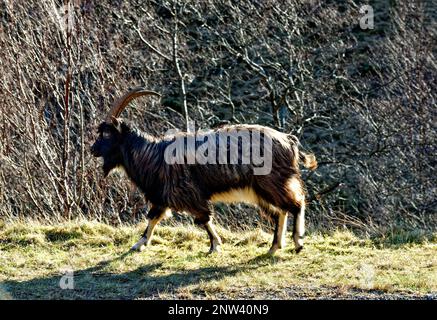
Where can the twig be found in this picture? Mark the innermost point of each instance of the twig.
(178, 68)
(162, 55)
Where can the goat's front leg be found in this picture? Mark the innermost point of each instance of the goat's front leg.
(214, 238)
(155, 215)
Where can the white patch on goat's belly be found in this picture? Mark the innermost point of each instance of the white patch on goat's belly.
(246, 195)
(168, 213)
(295, 186)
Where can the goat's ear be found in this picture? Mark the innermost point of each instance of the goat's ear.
(115, 122)
(124, 128)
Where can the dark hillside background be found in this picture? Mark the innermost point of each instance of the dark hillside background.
(363, 100)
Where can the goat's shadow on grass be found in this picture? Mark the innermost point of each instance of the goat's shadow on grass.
(98, 283)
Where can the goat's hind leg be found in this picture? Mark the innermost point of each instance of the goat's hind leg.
(299, 228)
(214, 238)
(280, 220)
(155, 215)
(203, 218)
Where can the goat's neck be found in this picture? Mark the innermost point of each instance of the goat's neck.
(139, 159)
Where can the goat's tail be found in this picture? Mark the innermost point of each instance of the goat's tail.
(307, 159)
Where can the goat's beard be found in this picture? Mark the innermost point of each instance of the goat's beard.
(107, 168)
(106, 171)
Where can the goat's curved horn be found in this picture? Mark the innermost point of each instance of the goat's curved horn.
(121, 103)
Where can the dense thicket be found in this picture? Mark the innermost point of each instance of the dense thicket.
(363, 100)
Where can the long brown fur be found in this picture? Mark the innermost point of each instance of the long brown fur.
(194, 187)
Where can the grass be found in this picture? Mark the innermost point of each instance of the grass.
(34, 257)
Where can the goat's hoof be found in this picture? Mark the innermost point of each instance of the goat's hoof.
(272, 251)
(138, 248)
(299, 249)
(140, 245)
(213, 250)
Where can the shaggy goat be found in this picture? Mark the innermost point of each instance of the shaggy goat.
(193, 186)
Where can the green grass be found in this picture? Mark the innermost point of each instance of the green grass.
(340, 264)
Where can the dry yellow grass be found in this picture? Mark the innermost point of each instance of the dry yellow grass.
(34, 258)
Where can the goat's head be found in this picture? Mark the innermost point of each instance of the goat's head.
(112, 131)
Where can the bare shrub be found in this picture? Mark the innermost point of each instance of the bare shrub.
(362, 100)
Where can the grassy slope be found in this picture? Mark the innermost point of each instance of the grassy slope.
(176, 265)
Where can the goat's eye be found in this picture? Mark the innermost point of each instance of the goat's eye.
(106, 134)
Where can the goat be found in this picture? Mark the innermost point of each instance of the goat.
(193, 187)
